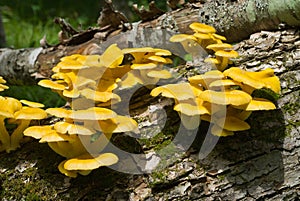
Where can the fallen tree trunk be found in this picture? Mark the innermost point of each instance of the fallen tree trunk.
(259, 164)
(236, 20)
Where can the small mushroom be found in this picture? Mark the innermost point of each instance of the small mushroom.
(224, 57)
(202, 28)
(89, 162)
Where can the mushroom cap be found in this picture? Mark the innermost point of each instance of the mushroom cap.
(224, 83)
(38, 132)
(258, 104)
(99, 95)
(206, 78)
(143, 66)
(231, 97)
(239, 113)
(55, 137)
(195, 107)
(112, 57)
(118, 124)
(161, 74)
(72, 128)
(93, 113)
(227, 54)
(242, 76)
(156, 58)
(232, 123)
(219, 46)
(202, 36)
(8, 106)
(30, 113)
(268, 78)
(212, 60)
(202, 28)
(32, 104)
(51, 84)
(218, 37)
(68, 173)
(88, 162)
(131, 79)
(180, 91)
(59, 112)
(218, 131)
(182, 37)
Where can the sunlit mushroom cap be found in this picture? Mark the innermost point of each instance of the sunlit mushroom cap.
(231, 97)
(112, 57)
(118, 124)
(219, 46)
(227, 54)
(182, 37)
(72, 128)
(8, 106)
(206, 78)
(242, 76)
(93, 113)
(192, 107)
(99, 95)
(218, 37)
(258, 104)
(32, 104)
(180, 91)
(88, 162)
(2, 86)
(202, 28)
(143, 66)
(68, 173)
(51, 84)
(232, 123)
(162, 74)
(30, 113)
(55, 137)
(268, 78)
(224, 83)
(38, 132)
(59, 112)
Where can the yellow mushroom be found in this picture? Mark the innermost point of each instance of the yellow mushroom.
(227, 97)
(224, 57)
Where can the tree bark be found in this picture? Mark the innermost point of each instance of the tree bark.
(259, 164)
(236, 20)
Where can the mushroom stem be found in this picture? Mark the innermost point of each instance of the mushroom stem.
(224, 63)
(4, 136)
(17, 135)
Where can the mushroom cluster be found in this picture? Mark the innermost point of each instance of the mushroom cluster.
(205, 36)
(88, 83)
(15, 117)
(81, 136)
(222, 98)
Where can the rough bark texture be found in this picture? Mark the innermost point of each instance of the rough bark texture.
(260, 164)
(235, 19)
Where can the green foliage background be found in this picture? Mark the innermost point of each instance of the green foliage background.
(26, 22)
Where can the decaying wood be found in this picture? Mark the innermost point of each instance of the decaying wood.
(234, 19)
(259, 164)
